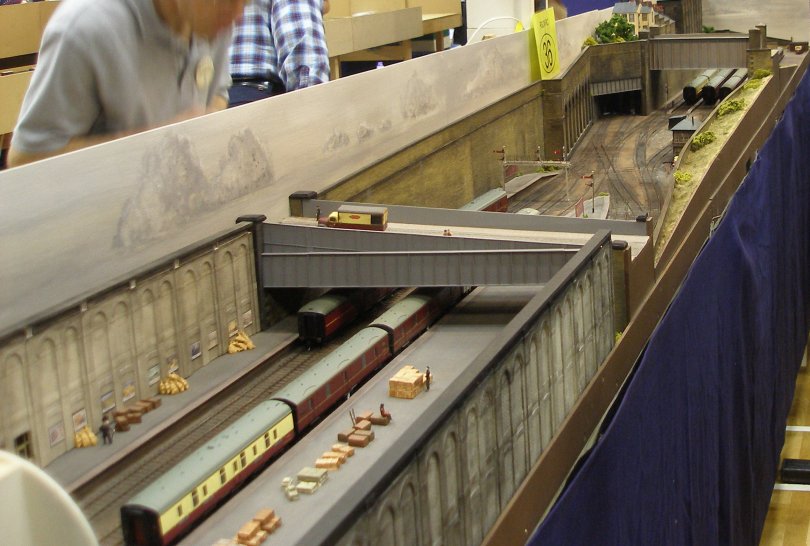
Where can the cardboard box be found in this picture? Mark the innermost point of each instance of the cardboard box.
(21, 27)
(13, 86)
(356, 25)
(436, 6)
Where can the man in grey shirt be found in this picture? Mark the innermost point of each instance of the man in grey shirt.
(112, 68)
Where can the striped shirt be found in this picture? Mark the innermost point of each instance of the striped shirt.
(281, 40)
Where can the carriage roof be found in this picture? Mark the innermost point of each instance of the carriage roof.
(301, 387)
(209, 458)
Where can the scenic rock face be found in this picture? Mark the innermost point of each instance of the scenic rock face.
(159, 207)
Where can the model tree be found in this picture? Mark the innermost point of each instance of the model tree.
(616, 29)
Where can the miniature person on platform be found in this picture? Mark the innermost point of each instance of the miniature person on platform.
(106, 429)
(114, 68)
(278, 46)
(427, 378)
(384, 414)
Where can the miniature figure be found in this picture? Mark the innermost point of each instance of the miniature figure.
(106, 430)
(318, 214)
(427, 378)
(384, 414)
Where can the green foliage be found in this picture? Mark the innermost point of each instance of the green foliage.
(589, 41)
(706, 137)
(616, 29)
(760, 73)
(682, 177)
(730, 105)
(708, 30)
(752, 84)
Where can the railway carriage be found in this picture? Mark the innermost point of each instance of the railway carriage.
(692, 92)
(167, 508)
(495, 200)
(732, 83)
(317, 389)
(414, 314)
(321, 318)
(324, 316)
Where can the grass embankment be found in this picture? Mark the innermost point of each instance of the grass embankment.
(697, 157)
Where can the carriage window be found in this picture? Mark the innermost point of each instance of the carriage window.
(236, 466)
(205, 490)
(195, 498)
(180, 510)
(255, 451)
(223, 477)
(243, 459)
(267, 439)
(275, 434)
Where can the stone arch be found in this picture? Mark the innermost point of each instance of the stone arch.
(473, 478)
(434, 502)
(14, 400)
(407, 520)
(166, 313)
(557, 381)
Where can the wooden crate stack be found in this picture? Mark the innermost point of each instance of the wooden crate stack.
(406, 383)
(259, 528)
(132, 414)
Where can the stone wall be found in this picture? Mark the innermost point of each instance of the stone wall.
(463, 476)
(116, 347)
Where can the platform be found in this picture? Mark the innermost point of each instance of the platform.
(457, 339)
(79, 466)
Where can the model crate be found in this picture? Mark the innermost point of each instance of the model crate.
(314, 475)
(343, 448)
(248, 531)
(344, 436)
(406, 383)
(356, 440)
(328, 463)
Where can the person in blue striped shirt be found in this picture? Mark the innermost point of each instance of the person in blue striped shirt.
(278, 46)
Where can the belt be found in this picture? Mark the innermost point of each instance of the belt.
(261, 84)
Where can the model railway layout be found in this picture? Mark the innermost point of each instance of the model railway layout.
(192, 488)
(102, 498)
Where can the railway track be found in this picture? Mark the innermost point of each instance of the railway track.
(101, 500)
(627, 156)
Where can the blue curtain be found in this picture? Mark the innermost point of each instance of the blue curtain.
(691, 453)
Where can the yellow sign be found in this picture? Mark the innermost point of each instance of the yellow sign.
(543, 44)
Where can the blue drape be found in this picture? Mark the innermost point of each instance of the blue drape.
(691, 453)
